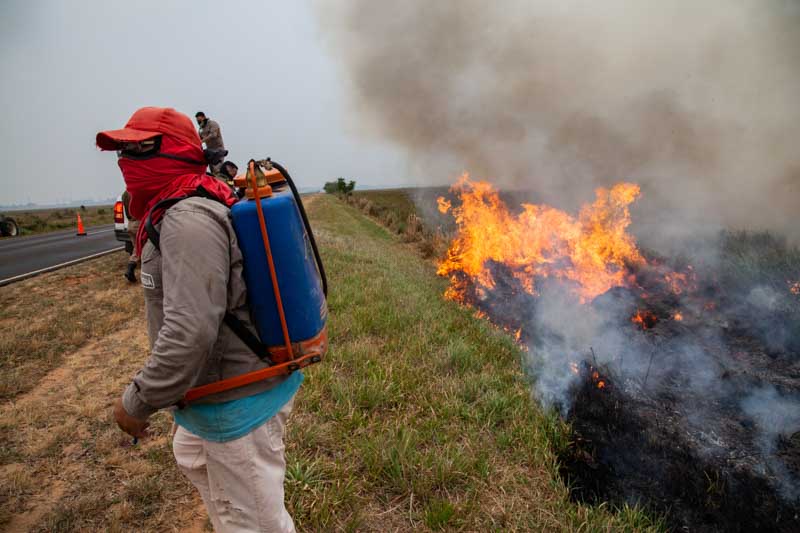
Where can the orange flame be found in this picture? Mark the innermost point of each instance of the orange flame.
(680, 282)
(794, 287)
(591, 251)
(646, 319)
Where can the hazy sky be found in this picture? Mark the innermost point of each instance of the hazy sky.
(71, 69)
(695, 101)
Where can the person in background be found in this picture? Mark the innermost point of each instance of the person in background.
(227, 172)
(133, 229)
(211, 136)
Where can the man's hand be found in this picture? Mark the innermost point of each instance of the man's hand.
(132, 426)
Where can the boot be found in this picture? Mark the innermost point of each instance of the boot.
(130, 272)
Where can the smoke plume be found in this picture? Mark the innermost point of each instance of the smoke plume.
(695, 101)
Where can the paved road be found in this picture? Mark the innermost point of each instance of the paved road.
(22, 257)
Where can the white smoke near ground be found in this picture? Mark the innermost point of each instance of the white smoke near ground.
(695, 364)
(777, 416)
(567, 333)
(695, 101)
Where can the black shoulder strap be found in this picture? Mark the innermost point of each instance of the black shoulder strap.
(236, 325)
(247, 337)
(153, 234)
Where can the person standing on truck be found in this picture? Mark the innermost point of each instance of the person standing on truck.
(211, 135)
(229, 444)
(133, 229)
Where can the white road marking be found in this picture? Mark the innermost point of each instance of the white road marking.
(56, 267)
(100, 231)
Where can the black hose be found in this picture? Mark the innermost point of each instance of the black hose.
(305, 222)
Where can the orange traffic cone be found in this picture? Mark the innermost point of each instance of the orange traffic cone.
(81, 231)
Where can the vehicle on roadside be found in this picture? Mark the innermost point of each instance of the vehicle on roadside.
(8, 226)
(121, 225)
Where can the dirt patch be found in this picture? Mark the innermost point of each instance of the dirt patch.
(37, 506)
(194, 519)
(87, 475)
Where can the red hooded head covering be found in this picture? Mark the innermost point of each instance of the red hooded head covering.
(176, 169)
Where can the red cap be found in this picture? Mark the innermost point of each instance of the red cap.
(149, 122)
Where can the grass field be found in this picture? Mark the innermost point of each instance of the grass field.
(419, 419)
(36, 221)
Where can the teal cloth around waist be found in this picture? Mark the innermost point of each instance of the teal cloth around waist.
(221, 422)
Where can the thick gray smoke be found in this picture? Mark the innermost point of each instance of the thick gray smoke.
(695, 101)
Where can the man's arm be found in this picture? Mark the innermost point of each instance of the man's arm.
(195, 268)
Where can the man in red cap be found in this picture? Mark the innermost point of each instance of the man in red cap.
(230, 444)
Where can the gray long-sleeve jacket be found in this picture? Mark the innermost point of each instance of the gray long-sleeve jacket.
(212, 135)
(188, 286)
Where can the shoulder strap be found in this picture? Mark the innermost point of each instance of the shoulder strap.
(236, 325)
(153, 234)
(247, 337)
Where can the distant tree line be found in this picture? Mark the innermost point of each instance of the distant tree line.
(340, 186)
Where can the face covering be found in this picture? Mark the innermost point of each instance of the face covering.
(156, 177)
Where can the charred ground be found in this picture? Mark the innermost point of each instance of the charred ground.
(708, 443)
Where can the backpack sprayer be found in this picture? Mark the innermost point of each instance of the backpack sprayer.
(289, 305)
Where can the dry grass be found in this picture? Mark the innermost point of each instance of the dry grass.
(87, 475)
(71, 341)
(54, 314)
(45, 220)
(396, 209)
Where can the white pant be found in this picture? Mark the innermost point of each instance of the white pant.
(240, 481)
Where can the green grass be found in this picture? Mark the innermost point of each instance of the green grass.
(36, 221)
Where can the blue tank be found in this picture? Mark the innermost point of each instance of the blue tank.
(298, 278)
